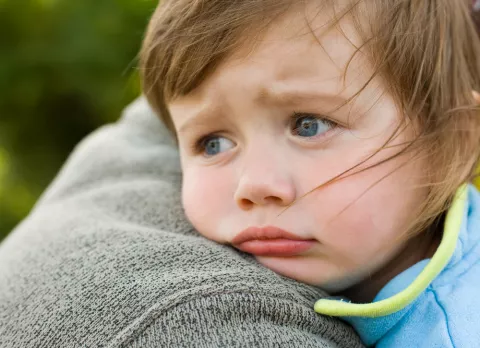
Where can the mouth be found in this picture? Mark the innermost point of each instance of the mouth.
(271, 241)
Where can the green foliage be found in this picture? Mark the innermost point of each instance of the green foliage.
(66, 67)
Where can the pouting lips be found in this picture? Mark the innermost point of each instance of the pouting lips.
(271, 241)
(275, 247)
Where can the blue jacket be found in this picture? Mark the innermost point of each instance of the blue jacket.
(447, 312)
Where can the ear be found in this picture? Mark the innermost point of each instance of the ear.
(476, 5)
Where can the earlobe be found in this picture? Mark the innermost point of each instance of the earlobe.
(476, 96)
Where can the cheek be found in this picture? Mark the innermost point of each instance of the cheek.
(205, 195)
(363, 218)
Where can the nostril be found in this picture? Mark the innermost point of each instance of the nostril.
(245, 203)
(273, 199)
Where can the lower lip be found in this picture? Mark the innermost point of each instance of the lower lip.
(275, 247)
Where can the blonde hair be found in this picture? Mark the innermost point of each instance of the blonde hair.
(426, 50)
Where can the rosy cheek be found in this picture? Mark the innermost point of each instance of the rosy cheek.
(205, 193)
(348, 214)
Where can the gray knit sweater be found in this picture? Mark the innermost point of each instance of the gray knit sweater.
(107, 259)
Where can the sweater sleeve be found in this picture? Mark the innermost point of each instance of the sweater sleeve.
(240, 320)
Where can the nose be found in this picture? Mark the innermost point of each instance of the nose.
(265, 181)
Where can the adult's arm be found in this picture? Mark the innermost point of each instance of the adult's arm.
(107, 259)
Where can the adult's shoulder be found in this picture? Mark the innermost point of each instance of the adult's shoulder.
(107, 259)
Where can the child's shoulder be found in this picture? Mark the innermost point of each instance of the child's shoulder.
(449, 309)
(447, 313)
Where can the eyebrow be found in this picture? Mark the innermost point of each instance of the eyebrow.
(279, 95)
(199, 119)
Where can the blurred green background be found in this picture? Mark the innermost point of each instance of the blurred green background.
(66, 68)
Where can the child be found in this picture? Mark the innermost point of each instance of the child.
(329, 139)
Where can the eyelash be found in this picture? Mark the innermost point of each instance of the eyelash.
(298, 115)
(199, 145)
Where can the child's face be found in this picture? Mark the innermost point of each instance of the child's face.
(259, 158)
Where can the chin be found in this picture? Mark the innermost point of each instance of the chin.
(305, 272)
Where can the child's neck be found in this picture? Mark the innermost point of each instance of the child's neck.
(417, 249)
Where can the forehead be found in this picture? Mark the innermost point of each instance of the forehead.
(302, 51)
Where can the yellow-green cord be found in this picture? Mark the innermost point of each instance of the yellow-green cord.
(399, 301)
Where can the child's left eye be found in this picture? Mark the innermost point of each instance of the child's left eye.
(306, 125)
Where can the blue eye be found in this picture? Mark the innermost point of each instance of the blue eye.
(214, 145)
(310, 126)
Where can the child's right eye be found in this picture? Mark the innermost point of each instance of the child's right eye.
(213, 145)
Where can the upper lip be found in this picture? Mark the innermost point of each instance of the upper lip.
(262, 233)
